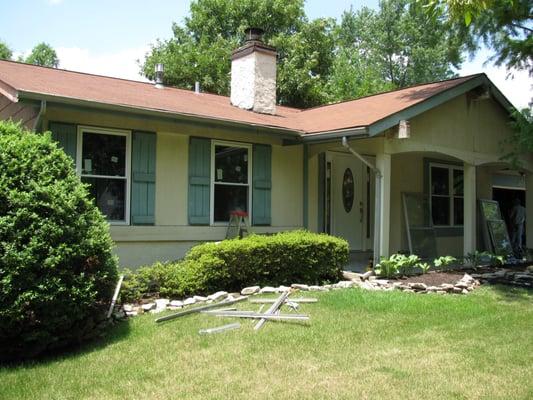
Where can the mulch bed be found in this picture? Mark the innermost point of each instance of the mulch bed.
(433, 278)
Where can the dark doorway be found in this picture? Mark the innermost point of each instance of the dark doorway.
(505, 198)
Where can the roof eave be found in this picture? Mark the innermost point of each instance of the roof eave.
(436, 100)
(358, 132)
(280, 132)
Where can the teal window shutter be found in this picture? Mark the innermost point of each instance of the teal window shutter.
(262, 184)
(66, 135)
(199, 181)
(143, 163)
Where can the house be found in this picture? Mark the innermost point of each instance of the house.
(397, 171)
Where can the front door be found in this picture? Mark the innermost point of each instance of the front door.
(348, 196)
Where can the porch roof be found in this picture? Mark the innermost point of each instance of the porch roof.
(369, 115)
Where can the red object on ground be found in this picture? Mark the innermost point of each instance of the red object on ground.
(239, 213)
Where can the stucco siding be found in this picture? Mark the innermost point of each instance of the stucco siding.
(171, 236)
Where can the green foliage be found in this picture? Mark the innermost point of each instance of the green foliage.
(319, 61)
(57, 272)
(424, 267)
(284, 258)
(444, 261)
(477, 258)
(5, 52)
(397, 264)
(396, 46)
(503, 25)
(521, 140)
(43, 54)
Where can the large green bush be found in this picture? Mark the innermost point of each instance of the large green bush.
(284, 258)
(57, 272)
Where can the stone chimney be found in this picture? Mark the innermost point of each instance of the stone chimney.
(253, 74)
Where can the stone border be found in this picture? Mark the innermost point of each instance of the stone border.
(352, 280)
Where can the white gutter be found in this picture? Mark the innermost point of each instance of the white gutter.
(377, 212)
(42, 112)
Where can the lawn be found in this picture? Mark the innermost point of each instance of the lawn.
(359, 344)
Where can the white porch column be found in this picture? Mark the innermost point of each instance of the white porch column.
(470, 210)
(383, 163)
(529, 210)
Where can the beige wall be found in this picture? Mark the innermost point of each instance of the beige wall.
(460, 130)
(171, 236)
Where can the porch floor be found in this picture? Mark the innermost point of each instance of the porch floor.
(359, 260)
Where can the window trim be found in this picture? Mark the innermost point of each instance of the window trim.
(106, 131)
(212, 182)
(450, 195)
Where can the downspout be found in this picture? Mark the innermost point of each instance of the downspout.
(39, 118)
(377, 211)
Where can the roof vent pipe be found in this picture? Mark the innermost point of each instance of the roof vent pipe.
(197, 87)
(159, 72)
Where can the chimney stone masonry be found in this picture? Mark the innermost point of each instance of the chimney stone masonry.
(253, 75)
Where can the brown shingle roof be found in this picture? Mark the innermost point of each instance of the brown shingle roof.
(18, 79)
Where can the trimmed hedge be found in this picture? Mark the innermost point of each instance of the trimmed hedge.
(57, 272)
(280, 259)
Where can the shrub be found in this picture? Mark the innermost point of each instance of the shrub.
(57, 273)
(284, 258)
(396, 264)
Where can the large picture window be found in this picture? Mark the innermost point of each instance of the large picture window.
(446, 194)
(103, 162)
(231, 171)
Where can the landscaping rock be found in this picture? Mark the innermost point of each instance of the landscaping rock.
(367, 274)
(316, 288)
(148, 306)
(189, 301)
(200, 299)
(176, 303)
(250, 290)
(348, 275)
(128, 307)
(345, 284)
(218, 296)
(267, 289)
(300, 286)
(417, 286)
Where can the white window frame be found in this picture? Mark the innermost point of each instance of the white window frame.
(247, 146)
(451, 195)
(105, 131)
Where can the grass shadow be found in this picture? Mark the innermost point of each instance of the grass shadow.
(511, 293)
(115, 333)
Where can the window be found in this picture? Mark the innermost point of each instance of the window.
(446, 194)
(103, 162)
(231, 166)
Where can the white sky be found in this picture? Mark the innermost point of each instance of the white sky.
(111, 42)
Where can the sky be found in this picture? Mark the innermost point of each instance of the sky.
(108, 37)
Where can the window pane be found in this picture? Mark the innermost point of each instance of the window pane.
(109, 195)
(440, 181)
(440, 210)
(458, 211)
(231, 164)
(458, 182)
(229, 198)
(103, 154)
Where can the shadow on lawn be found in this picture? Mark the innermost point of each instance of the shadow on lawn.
(115, 333)
(511, 294)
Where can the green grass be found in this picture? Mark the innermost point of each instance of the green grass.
(376, 345)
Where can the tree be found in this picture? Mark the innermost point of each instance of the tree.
(201, 49)
(399, 45)
(5, 51)
(319, 61)
(57, 269)
(503, 25)
(43, 54)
